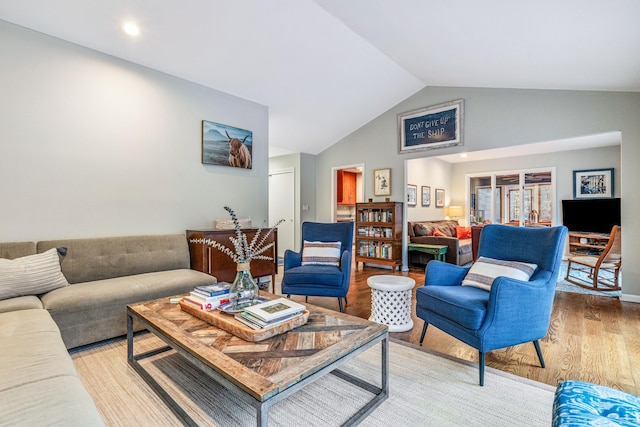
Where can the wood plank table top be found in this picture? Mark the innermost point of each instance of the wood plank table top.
(266, 368)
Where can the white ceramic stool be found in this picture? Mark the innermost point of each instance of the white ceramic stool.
(391, 301)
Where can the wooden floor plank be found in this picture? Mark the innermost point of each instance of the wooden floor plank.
(591, 338)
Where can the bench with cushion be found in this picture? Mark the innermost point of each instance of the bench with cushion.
(578, 403)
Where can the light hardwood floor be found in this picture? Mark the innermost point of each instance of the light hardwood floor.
(591, 338)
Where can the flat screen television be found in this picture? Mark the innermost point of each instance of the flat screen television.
(591, 215)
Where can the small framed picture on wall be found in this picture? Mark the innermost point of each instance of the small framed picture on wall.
(439, 198)
(593, 184)
(382, 182)
(411, 195)
(426, 196)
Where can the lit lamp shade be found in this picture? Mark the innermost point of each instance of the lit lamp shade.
(455, 211)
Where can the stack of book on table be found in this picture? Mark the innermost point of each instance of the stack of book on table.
(270, 313)
(208, 297)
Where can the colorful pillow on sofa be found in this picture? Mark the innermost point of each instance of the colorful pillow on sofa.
(31, 275)
(485, 270)
(321, 253)
(423, 229)
(438, 233)
(463, 232)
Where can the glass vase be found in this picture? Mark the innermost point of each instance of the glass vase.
(243, 290)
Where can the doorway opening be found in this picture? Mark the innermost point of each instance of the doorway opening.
(347, 190)
(281, 206)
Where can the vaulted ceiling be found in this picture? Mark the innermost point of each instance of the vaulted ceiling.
(326, 67)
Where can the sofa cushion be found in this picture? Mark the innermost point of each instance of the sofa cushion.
(31, 275)
(39, 384)
(107, 257)
(579, 403)
(321, 253)
(20, 303)
(426, 228)
(464, 247)
(423, 229)
(31, 348)
(485, 270)
(12, 250)
(448, 228)
(60, 401)
(325, 275)
(93, 311)
(466, 306)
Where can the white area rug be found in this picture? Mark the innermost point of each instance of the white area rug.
(425, 390)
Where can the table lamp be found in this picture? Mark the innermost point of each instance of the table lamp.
(455, 211)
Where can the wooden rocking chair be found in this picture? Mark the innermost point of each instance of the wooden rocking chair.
(603, 270)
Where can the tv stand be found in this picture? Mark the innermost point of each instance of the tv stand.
(585, 243)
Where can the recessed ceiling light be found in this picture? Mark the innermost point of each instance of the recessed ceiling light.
(131, 28)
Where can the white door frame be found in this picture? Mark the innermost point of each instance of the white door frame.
(296, 224)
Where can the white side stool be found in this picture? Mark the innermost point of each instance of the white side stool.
(391, 301)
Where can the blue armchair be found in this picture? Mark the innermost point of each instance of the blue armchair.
(513, 311)
(318, 279)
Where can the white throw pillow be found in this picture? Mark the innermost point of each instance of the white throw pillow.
(485, 270)
(31, 275)
(321, 253)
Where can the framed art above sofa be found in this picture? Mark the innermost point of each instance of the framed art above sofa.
(426, 196)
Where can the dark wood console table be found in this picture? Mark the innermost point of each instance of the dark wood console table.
(212, 261)
(475, 240)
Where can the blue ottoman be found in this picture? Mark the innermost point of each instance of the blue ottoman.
(579, 403)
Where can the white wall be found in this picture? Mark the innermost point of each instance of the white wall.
(496, 118)
(565, 163)
(433, 173)
(91, 145)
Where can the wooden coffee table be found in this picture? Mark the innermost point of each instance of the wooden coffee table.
(264, 372)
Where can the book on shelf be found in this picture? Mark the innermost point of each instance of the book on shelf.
(275, 309)
(213, 290)
(255, 323)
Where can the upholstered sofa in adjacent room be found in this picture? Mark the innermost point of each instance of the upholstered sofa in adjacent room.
(458, 249)
(55, 295)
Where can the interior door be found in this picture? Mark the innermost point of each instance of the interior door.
(281, 205)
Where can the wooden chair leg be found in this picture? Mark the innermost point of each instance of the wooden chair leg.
(306, 298)
(424, 331)
(539, 351)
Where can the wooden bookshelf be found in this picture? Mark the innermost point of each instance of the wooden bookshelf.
(379, 233)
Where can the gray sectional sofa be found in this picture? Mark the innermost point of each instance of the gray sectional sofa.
(38, 381)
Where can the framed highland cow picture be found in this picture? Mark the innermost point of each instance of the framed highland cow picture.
(224, 145)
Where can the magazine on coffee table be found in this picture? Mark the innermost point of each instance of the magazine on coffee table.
(249, 320)
(274, 309)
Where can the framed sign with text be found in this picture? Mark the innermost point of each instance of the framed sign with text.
(437, 126)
